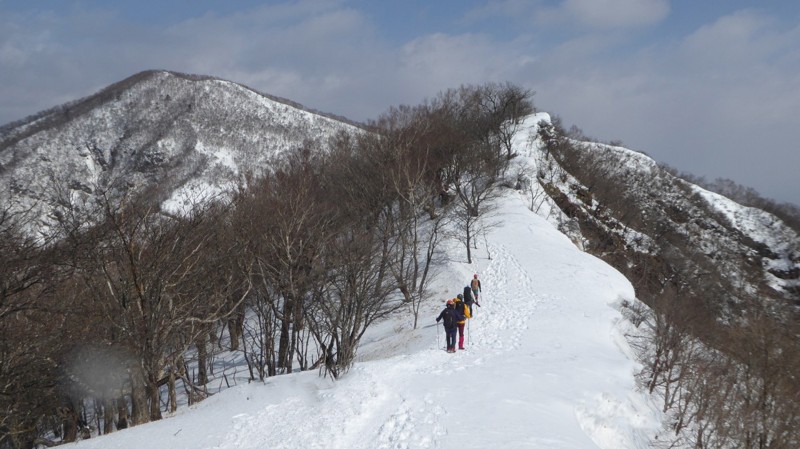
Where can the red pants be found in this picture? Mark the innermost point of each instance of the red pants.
(461, 335)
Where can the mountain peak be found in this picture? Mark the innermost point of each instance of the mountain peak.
(158, 129)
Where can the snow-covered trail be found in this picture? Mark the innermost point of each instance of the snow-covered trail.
(541, 368)
(545, 367)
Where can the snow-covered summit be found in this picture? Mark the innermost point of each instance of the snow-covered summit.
(188, 136)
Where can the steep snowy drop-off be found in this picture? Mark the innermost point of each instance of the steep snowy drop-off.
(547, 366)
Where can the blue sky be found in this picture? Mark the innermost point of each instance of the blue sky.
(709, 87)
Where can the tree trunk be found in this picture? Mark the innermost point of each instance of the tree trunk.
(468, 236)
(108, 415)
(173, 396)
(69, 421)
(284, 344)
(236, 329)
(202, 359)
(122, 413)
(154, 397)
(139, 412)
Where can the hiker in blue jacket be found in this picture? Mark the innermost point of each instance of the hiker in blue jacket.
(450, 320)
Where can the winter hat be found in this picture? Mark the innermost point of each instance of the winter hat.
(460, 296)
(476, 276)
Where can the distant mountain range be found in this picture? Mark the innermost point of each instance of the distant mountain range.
(184, 137)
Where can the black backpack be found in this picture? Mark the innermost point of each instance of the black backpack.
(468, 296)
(459, 312)
(449, 318)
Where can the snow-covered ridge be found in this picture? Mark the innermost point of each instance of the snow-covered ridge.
(546, 365)
(760, 225)
(662, 212)
(628, 159)
(783, 242)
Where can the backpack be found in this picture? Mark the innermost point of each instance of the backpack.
(459, 309)
(468, 296)
(449, 318)
(476, 284)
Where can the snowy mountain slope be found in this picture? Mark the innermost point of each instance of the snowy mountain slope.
(778, 242)
(188, 136)
(546, 367)
(627, 206)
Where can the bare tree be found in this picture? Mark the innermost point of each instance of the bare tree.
(475, 191)
(147, 277)
(24, 375)
(356, 295)
(479, 124)
(403, 146)
(500, 110)
(288, 225)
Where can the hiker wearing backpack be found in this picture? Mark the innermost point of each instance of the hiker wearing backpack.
(463, 315)
(476, 287)
(468, 300)
(450, 320)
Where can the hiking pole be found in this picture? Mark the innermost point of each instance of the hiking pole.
(469, 334)
(438, 345)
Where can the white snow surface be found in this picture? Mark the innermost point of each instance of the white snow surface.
(546, 366)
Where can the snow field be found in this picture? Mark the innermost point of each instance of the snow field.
(545, 367)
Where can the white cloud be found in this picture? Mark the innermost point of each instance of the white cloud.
(617, 13)
(722, 102)
(741, 37)
(440, 57)
(730, 86)
(595, 14)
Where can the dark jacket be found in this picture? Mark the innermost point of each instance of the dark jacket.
(468, 300)
(449, 311)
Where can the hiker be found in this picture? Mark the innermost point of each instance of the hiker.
(468, 299)
(476, 287)
(450, 318)
(463, 315)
